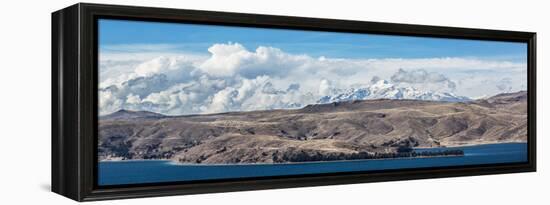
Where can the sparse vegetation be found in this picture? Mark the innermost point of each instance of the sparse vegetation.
(370, 129)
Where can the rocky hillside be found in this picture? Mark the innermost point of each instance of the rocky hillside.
(338, 130)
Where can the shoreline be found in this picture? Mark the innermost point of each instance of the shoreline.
(285, 163)
(471, 145)
(174, 162)
(311, 162)
(132, 160)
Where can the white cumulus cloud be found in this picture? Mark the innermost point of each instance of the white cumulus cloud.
(230, 77)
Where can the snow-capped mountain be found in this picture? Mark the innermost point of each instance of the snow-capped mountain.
(385, 90)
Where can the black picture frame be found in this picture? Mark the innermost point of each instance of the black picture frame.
(75, 115)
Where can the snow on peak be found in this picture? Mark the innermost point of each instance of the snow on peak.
(382, 84)
(383, 89)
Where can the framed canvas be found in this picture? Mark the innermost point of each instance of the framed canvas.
(156, 101)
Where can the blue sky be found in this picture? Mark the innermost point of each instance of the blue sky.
(176, 68)
(197, 38)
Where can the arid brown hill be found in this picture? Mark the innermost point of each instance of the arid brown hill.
(322, 131)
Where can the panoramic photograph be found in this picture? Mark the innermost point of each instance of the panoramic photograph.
(181, 102)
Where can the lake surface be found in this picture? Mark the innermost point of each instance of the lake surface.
(153, 171)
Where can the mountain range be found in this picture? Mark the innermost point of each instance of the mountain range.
(382, 89)
(315, 132)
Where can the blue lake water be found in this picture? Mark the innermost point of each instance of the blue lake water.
(154, 171)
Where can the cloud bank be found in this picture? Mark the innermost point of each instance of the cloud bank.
(421, 76)
(232, 78)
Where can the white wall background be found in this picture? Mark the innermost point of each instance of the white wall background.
(25, 102)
